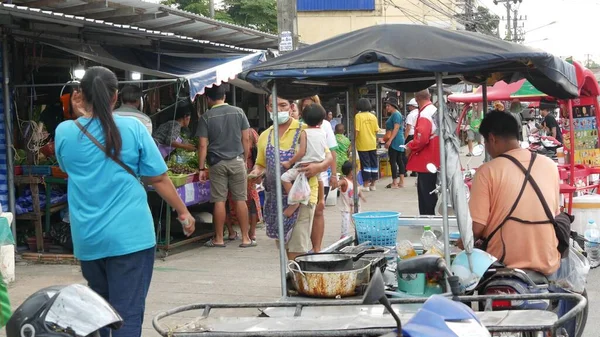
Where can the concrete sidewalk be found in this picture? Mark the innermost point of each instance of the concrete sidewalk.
(196, 274)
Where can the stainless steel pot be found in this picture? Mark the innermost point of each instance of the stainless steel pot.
(330, 284)
(328, 262)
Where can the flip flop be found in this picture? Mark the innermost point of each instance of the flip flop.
(235, 237)
(388, 186)
(248, 245)
(211, 244)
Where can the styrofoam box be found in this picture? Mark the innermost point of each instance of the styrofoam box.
(585, 208)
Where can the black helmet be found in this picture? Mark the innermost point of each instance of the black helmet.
(62, 311)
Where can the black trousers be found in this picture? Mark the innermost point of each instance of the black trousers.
(397, 163)
(425, 184)
(404, 157)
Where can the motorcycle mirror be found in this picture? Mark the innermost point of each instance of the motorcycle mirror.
(524, 145)
(375, 293)
(478, 150)
(432, 168)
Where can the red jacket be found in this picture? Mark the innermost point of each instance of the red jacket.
(425, 147)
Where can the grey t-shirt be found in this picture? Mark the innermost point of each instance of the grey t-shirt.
(223, 126)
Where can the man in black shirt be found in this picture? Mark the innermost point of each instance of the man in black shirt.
(549, 123)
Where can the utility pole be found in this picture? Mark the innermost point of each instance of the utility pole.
(211, 5)
(287, 25)
(519, 34)
(469, 19)
(508, 5)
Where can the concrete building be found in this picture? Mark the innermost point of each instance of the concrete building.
(321, 19)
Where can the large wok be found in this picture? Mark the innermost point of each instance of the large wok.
(330, 284)
(329, 262)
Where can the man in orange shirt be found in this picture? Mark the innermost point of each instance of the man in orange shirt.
(501, 200)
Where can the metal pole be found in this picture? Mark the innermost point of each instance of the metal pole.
(8, 130)
(405, 108)
(211, 4)
(378, 111)
(234, 95)
(483, 112)
(351, 111)
(443, 180)
(348, 114)
(279, 196)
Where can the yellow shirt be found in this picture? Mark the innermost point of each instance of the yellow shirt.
(366, 127)
(285, 143)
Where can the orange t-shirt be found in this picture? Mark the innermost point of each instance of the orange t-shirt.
(495, 188)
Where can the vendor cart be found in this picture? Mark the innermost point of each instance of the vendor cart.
(350, 61)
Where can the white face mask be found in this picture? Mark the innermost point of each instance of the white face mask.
(282, 117)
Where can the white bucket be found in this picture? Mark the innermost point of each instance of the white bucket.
(585, 208)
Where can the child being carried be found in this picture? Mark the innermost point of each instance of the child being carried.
(312, 149)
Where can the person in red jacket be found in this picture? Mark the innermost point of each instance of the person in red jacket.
(422, 150)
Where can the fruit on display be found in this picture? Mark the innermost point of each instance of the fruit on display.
(181, 169)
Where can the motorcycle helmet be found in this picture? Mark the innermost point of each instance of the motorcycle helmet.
(63, 311)
(481, 261)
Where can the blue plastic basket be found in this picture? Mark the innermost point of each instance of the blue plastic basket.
(380, 228)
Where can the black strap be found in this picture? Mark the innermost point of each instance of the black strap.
(101, 147)
(536, 188)
(514, 206)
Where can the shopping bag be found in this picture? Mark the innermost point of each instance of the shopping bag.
(300, 192)
(573, 271)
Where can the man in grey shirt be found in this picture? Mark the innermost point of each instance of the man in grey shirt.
(225, 145)
(131, 101)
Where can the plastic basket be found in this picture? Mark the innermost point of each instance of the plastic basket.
(37, 170)
(58, 173)
(380, 228)
(180, 179)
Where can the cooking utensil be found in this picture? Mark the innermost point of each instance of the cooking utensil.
(330, 284)
(329, 262)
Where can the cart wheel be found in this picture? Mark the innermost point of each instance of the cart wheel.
(163, 253)
(581, 318)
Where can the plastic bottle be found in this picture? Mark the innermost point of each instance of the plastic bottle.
(405, 250)
(592, 243)
(428, 239)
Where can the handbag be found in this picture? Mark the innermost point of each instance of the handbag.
(101, 147)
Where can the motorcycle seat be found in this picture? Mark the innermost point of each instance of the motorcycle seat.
(536, 277)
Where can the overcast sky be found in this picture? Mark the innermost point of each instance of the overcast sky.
(573, 34)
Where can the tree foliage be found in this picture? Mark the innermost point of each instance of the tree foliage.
(482, 21)
(258, 14)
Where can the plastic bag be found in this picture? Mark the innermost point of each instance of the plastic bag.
(300, 192)
(573, 271)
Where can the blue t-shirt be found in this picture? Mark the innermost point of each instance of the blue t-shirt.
(108, 207)
(396, 118)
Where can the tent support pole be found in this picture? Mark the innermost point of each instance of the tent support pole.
(279, 196)
(233, 95)
(483, 112)
(405, 103)
(352, 91)
(443, 178)
(378, 109)
(8, 127)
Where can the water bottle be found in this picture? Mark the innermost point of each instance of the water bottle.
(428, 239)
(592, 243)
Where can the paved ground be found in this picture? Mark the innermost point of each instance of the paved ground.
(198, 274)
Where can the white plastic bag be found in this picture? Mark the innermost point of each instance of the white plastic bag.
(573, 271)
(300, 192)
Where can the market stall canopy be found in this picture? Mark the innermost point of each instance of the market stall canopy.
(501, 91)
(200, 70)
(411, 55)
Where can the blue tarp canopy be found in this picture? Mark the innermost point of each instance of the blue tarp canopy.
(411, 55)
(201, 71)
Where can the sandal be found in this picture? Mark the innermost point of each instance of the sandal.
(389, 186)
(248, 245)
(210, 243)
(230, 238)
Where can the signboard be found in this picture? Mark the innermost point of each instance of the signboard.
(286, 42)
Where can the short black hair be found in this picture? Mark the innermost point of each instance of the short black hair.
(131, 94)
(183, 111)
(346, 168)
(216, 92)
(313, 114)
(499, 124)
(364, 105)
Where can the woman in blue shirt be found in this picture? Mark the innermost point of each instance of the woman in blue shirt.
(395, 144)
(111, 223)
